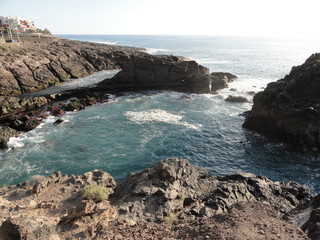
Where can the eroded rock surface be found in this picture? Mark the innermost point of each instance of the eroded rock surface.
(40, 63)
(170, 200)
(312, 226)
(167, 72)
(6, 133)
(288, 110)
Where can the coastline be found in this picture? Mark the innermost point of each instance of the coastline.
(50, 61)
(30, 111)
(168, 200)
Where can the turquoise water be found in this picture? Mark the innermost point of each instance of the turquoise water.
(134, 131)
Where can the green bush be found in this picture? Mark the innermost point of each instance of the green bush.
(95, 192)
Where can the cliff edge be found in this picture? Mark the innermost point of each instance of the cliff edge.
(170, 200)
(288, 110)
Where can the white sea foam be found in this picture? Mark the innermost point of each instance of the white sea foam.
(87, 81)
(157, 115)
(156, 50)
(33, 136)
(209, 60)
(108, 43)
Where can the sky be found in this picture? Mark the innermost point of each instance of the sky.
(270, 18)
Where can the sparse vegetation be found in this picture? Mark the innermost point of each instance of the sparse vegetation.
(74, 104)
(36, 178)
(170, 218)
(43, 31)
(95, 192)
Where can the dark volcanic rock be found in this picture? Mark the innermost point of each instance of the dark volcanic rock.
(49, 61)
(312, 226)
(236, 99)
(34, 66)
(288, 110)
(165, 187)
(59, 121)
(172, 198)
(10, 105)
(26, 227)
(145, 71)
(221, 79)
(5, 134)
(174, 185)
(245, 187)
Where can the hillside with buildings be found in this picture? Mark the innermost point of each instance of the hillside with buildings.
(12, 27)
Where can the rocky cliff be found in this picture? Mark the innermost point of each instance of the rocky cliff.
(167, 72)
(288, 110)
(171, 200)
(39, 63)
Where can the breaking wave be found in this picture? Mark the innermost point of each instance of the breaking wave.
(158, 115)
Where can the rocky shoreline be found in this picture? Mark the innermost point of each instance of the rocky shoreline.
(170, 200)
(287, 111)
(39, 63)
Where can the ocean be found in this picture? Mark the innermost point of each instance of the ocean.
(134, 131)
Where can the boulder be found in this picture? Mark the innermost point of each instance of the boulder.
(58, 121)
(288, 110)
(166, 187)
(6, 133)
(236, 99)
(100, 178)
(221, 79)
(57, 110)
(28, 227)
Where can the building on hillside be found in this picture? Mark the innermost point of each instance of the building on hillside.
(17, 23)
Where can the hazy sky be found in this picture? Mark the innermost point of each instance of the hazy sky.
(284, 18)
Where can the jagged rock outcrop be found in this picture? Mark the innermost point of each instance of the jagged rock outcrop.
(166, 187)
(6, 133)
(236, 99)
(167, 72)
(312, 226)
(174, 184)
(288, 110)
(221, 79)
(40, 63)
(14, 116)
(172, 190)
(9, 105)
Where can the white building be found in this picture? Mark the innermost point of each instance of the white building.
(18, 23)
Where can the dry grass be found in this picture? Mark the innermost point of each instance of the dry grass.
(95, 192)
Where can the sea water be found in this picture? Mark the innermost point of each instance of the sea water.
(134, 131)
